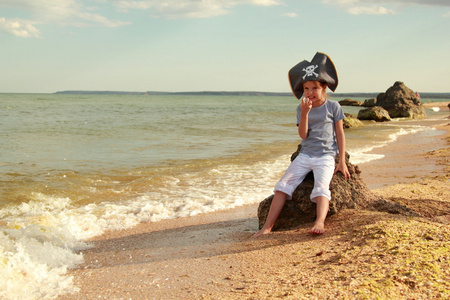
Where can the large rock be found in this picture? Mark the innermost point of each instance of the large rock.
(376, 113)
(401, 102)
(351, 193)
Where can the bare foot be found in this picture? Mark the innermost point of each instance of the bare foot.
(318, 228)
(261, 232)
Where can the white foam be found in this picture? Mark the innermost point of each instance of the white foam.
(362, 155)
(33, 262)
(36, 249)
(39, 241)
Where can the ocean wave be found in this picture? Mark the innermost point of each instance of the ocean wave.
(42, 239)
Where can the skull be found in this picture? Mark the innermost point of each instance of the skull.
(310, 71)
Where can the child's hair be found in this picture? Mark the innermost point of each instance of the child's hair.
(322, 85)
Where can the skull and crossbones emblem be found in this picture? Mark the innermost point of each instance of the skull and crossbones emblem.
(310, 71)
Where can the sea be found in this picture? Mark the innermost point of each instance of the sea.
(73, 166)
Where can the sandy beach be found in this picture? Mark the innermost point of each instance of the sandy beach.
(362, 254)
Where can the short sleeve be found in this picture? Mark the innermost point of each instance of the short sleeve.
(338, 113)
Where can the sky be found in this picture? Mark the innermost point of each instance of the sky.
(218, 45)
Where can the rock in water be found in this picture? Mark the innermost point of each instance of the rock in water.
(401, 102)
(351, 193)
(350, 102)
(375, 113)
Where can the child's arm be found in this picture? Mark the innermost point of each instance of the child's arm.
(340, 137)
(305, 107)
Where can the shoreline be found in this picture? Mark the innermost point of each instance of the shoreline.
(403, 161)
(210, 256)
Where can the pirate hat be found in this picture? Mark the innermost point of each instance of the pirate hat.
(321, 68)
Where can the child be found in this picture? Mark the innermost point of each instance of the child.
(320, 126)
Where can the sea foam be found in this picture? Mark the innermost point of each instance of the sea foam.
(362, 155)
(42, 239)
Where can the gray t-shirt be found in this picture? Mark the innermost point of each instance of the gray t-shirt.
(321, 138)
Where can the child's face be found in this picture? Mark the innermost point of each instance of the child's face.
(313, 91)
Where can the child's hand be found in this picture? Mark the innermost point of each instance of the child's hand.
(342, 167)
(305, 104)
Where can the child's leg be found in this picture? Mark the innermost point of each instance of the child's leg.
(321, 211)
(275, 208)
(323, 173)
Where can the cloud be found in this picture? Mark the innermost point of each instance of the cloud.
(61, 12)
(182, 9)
(291, 15)
(361, 7)
(187, 8)
(370, 10)
(20, 28)
(82, 13)
(380, 7)
(263, 2)
(96, 19)
(428, 2)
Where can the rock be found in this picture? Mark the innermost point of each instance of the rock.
(375, 113)
(352, 193)
(350, 102)
(401, 102)
(370, 102)
(351, 122)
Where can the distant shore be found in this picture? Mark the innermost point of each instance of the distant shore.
(242, 93)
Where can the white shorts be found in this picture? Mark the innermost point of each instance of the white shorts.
(323, 169)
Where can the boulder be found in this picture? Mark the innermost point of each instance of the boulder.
(370, 102)
(375, 113)
(350, 102)
(350, 121)
(352, 193)
(401, 102)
